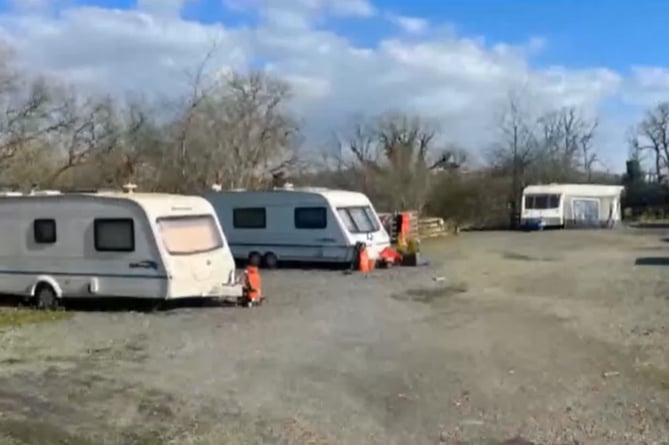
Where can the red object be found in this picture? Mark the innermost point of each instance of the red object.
(390, 255)
(405, 224)
(253, 284)
(363, 260)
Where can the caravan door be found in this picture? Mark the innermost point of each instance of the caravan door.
(586, 211)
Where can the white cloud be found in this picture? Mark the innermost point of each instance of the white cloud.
(460, 82)
(29, 4)
(646, 86)
(359, 8)
(170, 8)
(411, 25)
(302, 13)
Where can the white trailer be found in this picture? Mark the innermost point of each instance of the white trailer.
(112, 244)
(571, 205)
(300, 224)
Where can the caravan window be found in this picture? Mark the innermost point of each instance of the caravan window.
(311, 218)
(187, 235)
(44, 231)
(114, 235)
(249, 218)
(359, 219)
(542, 202)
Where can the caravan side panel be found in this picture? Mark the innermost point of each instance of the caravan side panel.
(72, 260)
(278, 230)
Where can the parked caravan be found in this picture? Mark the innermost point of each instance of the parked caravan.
(571, 205)
(301, 224)
(112, 244)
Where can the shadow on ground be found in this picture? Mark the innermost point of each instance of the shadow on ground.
(652, 261)
(301, 265)
(522, 257)
(650, 225)
(124, 304)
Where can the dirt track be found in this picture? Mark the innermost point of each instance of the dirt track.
(555, 337)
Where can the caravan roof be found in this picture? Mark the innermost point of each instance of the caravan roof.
(152, 202)
(575, 189)
(294, 195)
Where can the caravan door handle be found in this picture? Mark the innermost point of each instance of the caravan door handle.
(326, 240)
(147, 264)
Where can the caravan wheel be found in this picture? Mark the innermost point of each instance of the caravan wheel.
(255, 259)
(46, 298)
(270, 261)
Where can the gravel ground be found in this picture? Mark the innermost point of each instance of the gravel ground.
(545, 338)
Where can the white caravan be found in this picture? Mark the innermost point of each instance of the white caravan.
(112, 244)
(571, 205)
(300, 224)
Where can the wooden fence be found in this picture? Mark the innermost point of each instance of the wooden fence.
(431, 227)
(418, 227)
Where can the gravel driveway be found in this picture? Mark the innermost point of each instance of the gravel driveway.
(557, 337)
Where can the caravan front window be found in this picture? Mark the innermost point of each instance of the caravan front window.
(358, 219)
(187, 235)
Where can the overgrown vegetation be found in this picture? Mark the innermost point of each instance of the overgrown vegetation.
(237, 130)
(13, 317)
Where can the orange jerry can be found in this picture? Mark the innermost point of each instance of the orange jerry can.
(363, 260)
(253, 291)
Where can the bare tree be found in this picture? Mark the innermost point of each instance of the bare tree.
(138, 150)
(30, 111)
(653, 136)
(91, 127)
(518, 146)
(394, 155)
(199, 86)
(566, 151)
(245, 134)
(590, 157)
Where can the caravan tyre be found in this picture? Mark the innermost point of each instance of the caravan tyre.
(46, 298)
(255, 259)
(270, 261)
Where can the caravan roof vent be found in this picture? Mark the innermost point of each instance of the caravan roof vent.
(45, 192)
(217, 187)
(129, 187)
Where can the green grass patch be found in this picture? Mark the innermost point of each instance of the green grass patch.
(658, 377)
(12, 317)
(36, 432)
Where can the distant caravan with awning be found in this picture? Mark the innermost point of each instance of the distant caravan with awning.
(571, 206)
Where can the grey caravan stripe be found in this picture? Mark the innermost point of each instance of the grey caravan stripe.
(342, 246)
(69, 274)
(287, 245)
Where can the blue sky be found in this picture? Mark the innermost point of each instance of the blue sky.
(454, 60)
(612, 33)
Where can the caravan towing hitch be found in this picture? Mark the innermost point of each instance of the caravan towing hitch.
(247, 302)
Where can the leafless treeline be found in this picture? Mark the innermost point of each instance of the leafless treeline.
(236, 130)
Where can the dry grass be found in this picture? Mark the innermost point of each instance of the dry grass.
(657, 376)
(12, 317)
